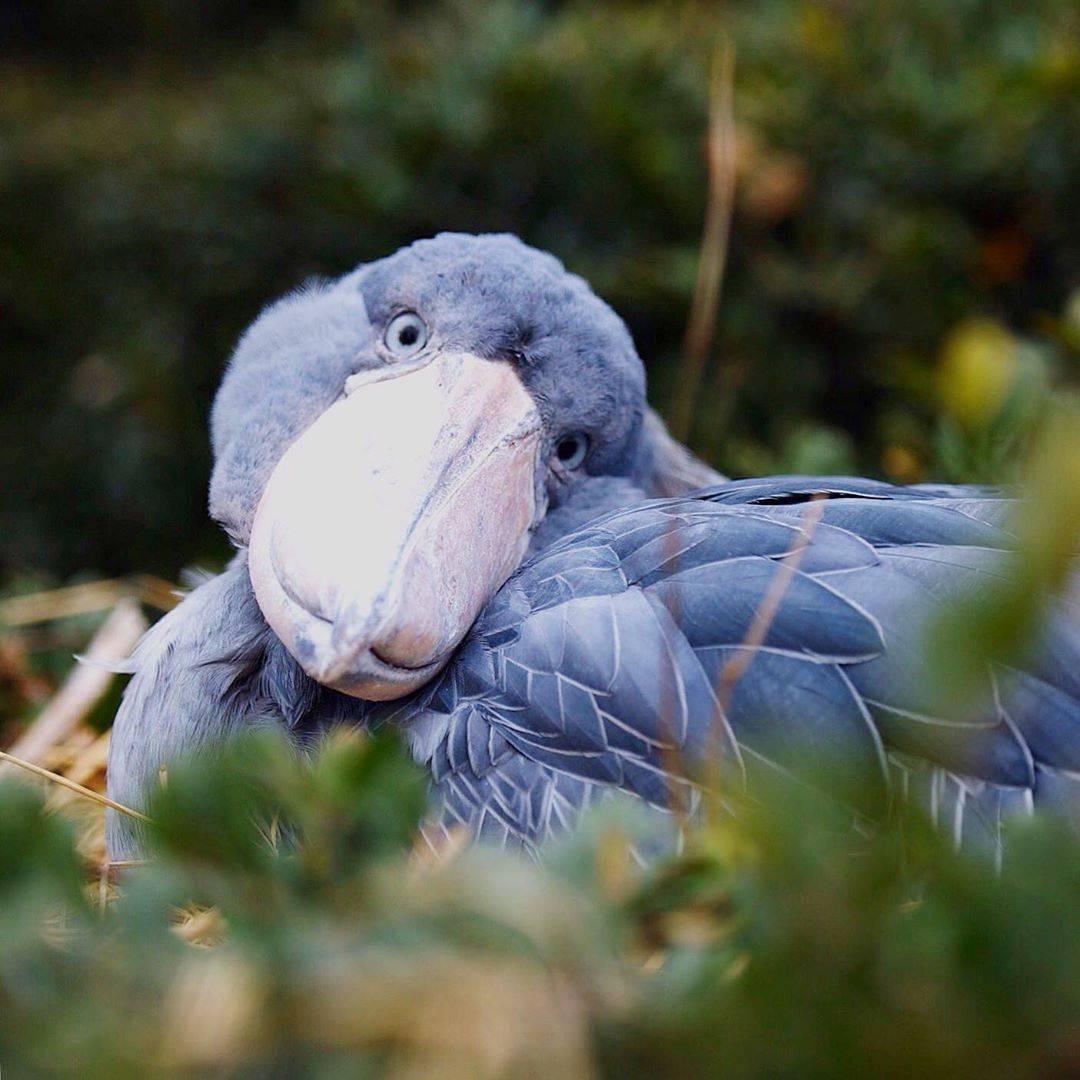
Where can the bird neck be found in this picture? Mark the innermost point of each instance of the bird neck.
(662, 468)
(590, 498)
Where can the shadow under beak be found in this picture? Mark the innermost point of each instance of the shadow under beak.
(389, 524)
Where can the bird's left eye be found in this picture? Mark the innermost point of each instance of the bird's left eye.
(406, 334)
(570, 450)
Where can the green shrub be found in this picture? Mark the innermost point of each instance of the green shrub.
(777, 943)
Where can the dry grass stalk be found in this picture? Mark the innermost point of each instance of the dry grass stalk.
(766, 611)
(63, 603)
(61, 746)
(681, 464)
(64, 782)
(679, 795)
(720, 154)
(156, 592)
(85, 599)
(85, 685)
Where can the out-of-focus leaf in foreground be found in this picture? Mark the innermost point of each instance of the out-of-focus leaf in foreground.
(287, 922)
(1001, 621)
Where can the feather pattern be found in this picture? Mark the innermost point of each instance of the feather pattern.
(605, 664)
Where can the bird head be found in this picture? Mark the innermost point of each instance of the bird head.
(387, 443)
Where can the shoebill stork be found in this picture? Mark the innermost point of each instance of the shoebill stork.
(454, 514)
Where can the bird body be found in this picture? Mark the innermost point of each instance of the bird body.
(755, 625)
(599, 666)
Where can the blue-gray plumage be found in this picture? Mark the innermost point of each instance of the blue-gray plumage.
(603, 663)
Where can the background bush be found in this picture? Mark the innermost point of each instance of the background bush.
(908, 197)
(901, 298)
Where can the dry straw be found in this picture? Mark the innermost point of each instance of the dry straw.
(63, 781)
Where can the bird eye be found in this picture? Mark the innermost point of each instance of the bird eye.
(570, 450)
(406, 334)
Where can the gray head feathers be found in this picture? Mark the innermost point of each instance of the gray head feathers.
(489, 295)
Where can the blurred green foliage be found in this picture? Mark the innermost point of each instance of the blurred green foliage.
(906, 179)
(293, 931)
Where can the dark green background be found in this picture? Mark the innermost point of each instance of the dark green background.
(167, 168)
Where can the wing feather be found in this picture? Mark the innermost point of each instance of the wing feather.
(605, 662)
